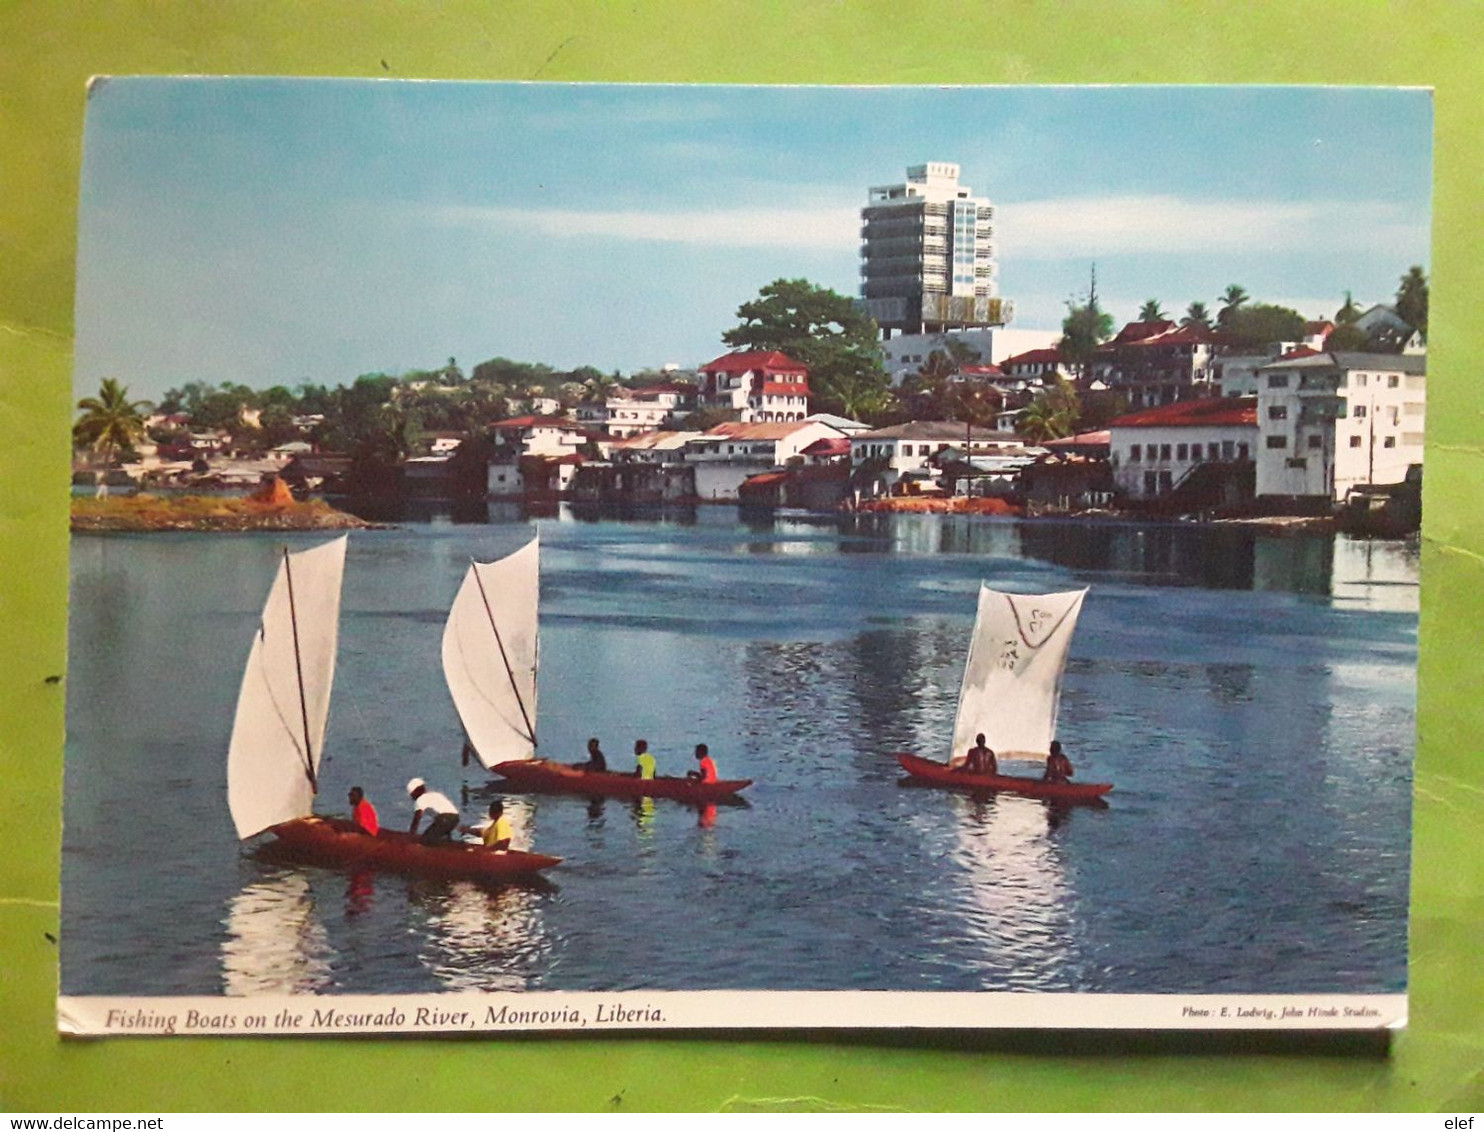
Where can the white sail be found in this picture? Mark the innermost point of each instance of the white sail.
(490, 653)
(1012, 679)
(273, 760)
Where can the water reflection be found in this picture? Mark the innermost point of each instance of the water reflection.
(479, 938)
(276, 942)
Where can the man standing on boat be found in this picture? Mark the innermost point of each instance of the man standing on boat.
(1058, 766)
(643, 760)
(363, 813)
(980, 759)
(707, 771)
(596, 763)
(444, 813)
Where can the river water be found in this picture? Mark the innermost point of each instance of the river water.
(1251, 697)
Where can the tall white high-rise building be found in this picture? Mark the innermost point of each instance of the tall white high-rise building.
(927, 255)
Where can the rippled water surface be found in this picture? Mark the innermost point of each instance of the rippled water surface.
(1250, 696)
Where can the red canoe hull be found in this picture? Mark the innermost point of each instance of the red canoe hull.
(553, 778)
(939, 774)
(329, 841)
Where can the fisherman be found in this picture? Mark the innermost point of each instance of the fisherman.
(495, 835)
(980, 759)
(445, 815)
(1058, 766)
(596, 763)
(707, 771)
(363, 813)
(643, 760)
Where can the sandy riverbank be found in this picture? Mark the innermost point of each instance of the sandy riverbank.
(208, 513)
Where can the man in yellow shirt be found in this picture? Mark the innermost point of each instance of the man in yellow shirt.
(496, 835)
(643, 760)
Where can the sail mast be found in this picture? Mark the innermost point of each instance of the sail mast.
(509, 672)
(299, 673)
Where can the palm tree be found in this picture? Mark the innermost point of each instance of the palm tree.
(1232, 298)
(1197, 316)
(1051, 415)
(1151, 312)
(109, 421)
(1349, 312)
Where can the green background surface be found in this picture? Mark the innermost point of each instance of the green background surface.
(48, 50)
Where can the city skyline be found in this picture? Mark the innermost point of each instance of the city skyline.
(279, 231)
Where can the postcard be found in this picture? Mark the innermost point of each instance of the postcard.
(595, 558)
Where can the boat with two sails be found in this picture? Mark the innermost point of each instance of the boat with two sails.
(1011, 695)
(278, 733)
(491, 658)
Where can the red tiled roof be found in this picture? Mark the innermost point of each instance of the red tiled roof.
(1048, 356)
(828, 446)
(1193, 414)
(1299, 352)
(1137, 331)
(1322, 326)
(981, 371)
(536, 422)
(756, 430)
(769, 361)
(765, 479)
(1081, 440)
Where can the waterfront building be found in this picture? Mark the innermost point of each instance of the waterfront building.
(1201, 451)
(655, 447)
(759, 385)
(1334, 421)
(886, 460)
(542, 436)
(726, 455)
(927, 255)
(1157, 362)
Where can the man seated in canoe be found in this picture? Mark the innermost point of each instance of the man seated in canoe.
(643, 761)
(445, 815)
(596, 763)
(363, 813)
(1058, 766)
(707, 769)
(979, 760)
(496, 833)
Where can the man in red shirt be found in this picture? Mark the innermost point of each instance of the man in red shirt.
(707, 772)
(363, 813)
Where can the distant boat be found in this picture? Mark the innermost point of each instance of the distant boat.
(1011, 694)
(278, 737)
(491, 655)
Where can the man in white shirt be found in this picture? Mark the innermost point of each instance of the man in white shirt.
(445, 815)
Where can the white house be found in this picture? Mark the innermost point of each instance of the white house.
(1333, 421)
(906, 353)
(761, 385)
(726, 455)
(902, 452)
(1152, 451)
(644, 410)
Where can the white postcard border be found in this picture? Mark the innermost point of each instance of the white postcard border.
(601, 1012)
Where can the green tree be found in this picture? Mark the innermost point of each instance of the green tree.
(1349, 312)
(1262, 324)
(1411, 299)
(1151, 311)
(1052, 414)
(110, 421)
(1085, 328)
(828, 333)
(1197, 317)
(1347, 336)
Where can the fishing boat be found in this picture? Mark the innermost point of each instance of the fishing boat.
(278, 735)
(491, 655)
(1011, 694)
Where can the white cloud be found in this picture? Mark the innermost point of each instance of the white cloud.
(1079, 227)
(830, 229)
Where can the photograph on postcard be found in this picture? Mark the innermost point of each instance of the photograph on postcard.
(581, 556)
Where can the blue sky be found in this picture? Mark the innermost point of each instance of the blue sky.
(278, 231)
